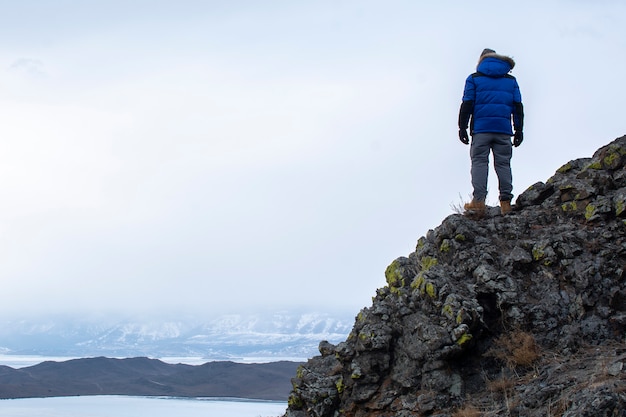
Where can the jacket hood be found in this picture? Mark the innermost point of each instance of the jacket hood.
(495, 65)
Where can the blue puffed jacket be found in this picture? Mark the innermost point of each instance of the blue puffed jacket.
(491, 97)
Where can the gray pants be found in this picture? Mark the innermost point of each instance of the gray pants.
(482, 145)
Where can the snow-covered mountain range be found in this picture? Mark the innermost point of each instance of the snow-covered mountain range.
(226, 337)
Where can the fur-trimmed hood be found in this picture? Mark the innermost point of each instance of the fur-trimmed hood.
(495, 65)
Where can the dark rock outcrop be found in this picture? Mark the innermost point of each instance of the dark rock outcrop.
(522, 315)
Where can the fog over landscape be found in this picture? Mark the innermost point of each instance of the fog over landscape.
(209, 157)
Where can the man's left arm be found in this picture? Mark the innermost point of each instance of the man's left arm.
(518, 124)
(518, 116)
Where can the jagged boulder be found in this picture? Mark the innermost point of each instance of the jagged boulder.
(523, 314)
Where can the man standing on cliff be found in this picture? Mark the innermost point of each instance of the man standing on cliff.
(491, 99)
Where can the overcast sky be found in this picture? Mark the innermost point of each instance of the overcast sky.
(243, 155)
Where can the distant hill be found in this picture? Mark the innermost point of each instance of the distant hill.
(148, 377)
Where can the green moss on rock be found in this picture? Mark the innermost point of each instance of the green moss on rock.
(340, 385)
(594, 165)
(570, 206)
(430, 290)
(459, 317)
(393, 275)
(590, 211)
(564, 168)
(611, 157)
(418, 281)
(611, 160)
(295, 402)
(464, 339)
(620, 206)
(428, 262)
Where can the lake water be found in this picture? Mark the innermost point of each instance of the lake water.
(122, 406)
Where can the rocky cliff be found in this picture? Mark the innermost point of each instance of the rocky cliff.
(517, 315)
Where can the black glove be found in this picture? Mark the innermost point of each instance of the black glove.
(463, 136)
(518, 138)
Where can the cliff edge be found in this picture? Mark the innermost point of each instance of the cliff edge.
(520, 315)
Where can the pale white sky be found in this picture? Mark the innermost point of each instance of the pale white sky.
(261, 155)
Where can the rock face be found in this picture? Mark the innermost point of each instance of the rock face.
(520, 315)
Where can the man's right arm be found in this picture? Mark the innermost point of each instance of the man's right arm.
(518, 116)
(465, 112)
(467, 108)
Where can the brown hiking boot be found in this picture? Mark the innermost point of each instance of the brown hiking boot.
(475, 206)
(505, 207)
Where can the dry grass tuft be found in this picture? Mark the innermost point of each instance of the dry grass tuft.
(459, 207)
(516, 349)
(467, 411)
(500, 385)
